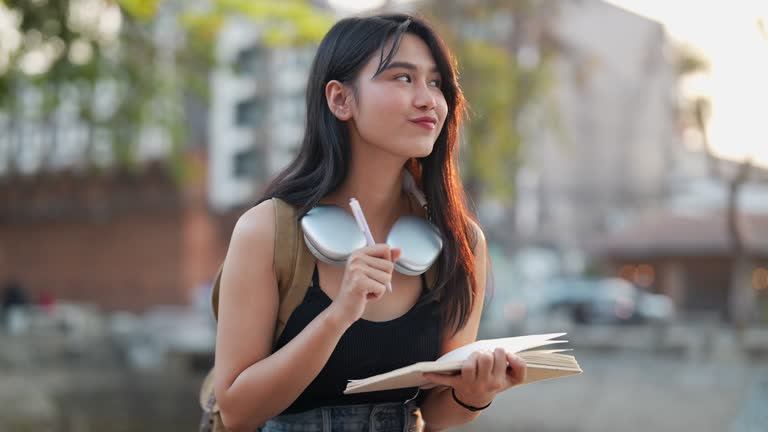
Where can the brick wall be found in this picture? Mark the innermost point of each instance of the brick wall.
(120, 241)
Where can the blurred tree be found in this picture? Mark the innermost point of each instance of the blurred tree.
(694, 112)
(122, 70)
(505, 51)
(694, 109)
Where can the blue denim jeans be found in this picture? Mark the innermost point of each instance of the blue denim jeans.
(388, 417)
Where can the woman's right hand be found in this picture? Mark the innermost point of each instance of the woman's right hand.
(366, 275)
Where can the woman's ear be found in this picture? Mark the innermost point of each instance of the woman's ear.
(338, 97)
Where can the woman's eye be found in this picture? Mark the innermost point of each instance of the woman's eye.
(407, 78)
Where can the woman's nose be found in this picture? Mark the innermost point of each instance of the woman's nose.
(424, 99)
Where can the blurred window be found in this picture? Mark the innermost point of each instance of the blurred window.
(250, 112)
(252, 61)
(249, 163)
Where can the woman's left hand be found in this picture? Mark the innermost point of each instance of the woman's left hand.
(483, 375)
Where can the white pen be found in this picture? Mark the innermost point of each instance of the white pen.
(357, 212)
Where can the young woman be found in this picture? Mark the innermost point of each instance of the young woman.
(382, 98)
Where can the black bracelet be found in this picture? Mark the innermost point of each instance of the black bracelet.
(469, 407)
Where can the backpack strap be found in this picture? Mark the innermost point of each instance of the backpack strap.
(294, 263)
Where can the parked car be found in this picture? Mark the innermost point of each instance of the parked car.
(606, 300)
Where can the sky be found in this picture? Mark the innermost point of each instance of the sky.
(352, 6)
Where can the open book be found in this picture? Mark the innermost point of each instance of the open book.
(542, 364)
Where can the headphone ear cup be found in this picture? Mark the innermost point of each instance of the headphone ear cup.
(420, 242)
(331, 234)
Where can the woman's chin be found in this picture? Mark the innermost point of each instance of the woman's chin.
(410, 149)
(418, 150)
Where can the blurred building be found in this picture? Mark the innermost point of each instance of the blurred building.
(76, 224)
(131, 239)
(688, 250)
(616, 94)
(120, 240)
(689, 255)
(256, 114)
(113, 236)
(623, 187)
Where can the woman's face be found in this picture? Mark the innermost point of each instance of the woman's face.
(401, 110)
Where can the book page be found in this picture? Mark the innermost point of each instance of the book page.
(512, 344)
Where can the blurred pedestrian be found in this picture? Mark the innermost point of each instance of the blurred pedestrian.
(14, 301)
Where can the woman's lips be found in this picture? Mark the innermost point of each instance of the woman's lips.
(426, 124)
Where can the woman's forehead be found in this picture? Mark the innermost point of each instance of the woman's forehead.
(412, 51)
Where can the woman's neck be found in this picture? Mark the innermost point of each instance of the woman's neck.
(375, 179)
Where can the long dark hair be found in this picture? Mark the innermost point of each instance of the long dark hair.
(323, 160)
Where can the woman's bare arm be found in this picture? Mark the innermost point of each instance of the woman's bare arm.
(439, 410)
(483, 375)
(251, 385)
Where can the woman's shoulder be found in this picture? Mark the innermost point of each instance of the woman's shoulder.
(257, 225)
(477, 238)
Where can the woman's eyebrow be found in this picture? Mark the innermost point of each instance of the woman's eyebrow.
(407, 65)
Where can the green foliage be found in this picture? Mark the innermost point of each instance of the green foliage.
(493, 140)
(140, 9)
(500, 89)
(287, 22)
(148, 77)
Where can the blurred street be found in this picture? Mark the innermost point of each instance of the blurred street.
(638, 392)
(636, 378)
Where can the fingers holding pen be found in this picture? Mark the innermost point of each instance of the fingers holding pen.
(367, 274)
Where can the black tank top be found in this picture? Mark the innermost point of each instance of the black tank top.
(367, 348)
